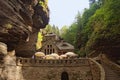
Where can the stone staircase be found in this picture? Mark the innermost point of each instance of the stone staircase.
(112, 70)
(110, 74)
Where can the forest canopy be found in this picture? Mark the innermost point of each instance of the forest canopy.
(97, 29)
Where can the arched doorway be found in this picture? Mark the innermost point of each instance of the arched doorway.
(64, 76)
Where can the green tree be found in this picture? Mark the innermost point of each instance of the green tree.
(84, 31)
(48, 29)
(51, 29)
(63, 31)
(106, 29)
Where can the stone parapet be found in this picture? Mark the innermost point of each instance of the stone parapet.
(97, 70)
(59, 62)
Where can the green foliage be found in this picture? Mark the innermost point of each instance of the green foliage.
(39, 40)
(8, 26)
(51, 29)
(97, 29)
(48, 29)
(106, 26)
(44, 3)
(80, 31)
(40, 37)
(84, 29)
(89, 12)
(69, 34)
(63, 31)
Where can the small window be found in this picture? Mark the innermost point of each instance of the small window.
(50, 51)
(47, 51)
(48, 46)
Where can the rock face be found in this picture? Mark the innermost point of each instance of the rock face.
(27, 49)
(8, 67)
(21, 18)
(20, 21)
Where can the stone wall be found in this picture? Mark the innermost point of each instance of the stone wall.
(76, 69)
(55, 73)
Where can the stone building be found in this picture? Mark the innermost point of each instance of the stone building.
(53, 44)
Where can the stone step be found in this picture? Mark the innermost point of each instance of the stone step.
(110, 74)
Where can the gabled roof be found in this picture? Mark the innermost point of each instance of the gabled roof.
(64, 46)
(51, 34)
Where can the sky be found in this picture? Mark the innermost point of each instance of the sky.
(63, 12)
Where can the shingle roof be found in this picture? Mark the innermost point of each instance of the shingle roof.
(64, 46)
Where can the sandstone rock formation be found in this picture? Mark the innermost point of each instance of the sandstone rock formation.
(19, 19)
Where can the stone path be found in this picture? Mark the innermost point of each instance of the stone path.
(110, 74)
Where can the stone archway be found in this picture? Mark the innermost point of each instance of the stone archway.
(64, 76)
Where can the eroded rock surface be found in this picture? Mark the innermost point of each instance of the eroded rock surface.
(21, 18)
(8, 67)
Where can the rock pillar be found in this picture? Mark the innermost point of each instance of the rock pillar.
(27, 49)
